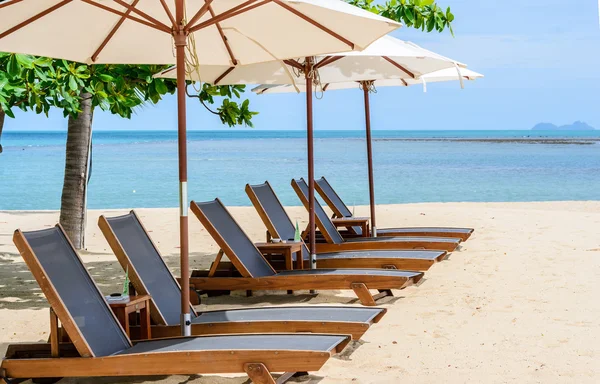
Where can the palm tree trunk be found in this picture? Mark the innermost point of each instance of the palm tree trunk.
(2, 114)
(74, 194)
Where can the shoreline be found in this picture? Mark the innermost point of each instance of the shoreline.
(361, 207)
(524, 140)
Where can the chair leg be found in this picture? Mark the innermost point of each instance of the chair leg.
(258, 373)
(383, 293)
(363, 294)
(285, 377)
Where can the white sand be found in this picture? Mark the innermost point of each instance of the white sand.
(518, 302)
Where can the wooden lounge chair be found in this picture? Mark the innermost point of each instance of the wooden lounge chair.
(258, 274)
(340, 210)
(149, 275)
(335, 242)
(279, 225)
(100, 346)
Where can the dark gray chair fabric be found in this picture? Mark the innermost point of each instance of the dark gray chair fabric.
(86, 304)
(229, 230)
(337, 238)
(161, 285)
(75, 287)
(326, 223)
(352, 271)
(335, 199)
(342, 208)
(150, 267)
(296, 342)
(304, 313)
(274, 210)
(236, 239)
(277, 214)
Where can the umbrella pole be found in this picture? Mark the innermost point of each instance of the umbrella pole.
(370, 157)
(180, 45)
(311, 170)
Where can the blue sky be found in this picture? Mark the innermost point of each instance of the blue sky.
(541, 59)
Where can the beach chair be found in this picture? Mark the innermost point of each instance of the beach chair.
(335, 242)
(149, 275)
(100, 346)
(340, 210)
(279, 225)
(258, 274)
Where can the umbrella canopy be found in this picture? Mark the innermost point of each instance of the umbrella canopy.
(224, 32)
(444, 75)
(140, 32)
(386, 58)
(449, 74)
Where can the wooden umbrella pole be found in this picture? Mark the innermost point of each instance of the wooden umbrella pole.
(180, 47)
(311, 171)
(365, 87)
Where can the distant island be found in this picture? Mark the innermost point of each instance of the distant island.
(576, 126)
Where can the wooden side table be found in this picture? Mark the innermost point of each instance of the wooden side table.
(136, 303)
(350, 222)
(285, 249)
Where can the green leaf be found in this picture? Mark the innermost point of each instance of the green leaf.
(430, 24)
(25, 60)
(161, 87)
(73, 83)
(409, 14)
(106, 78)
(45, 62)
(9, 113)
(13, 68)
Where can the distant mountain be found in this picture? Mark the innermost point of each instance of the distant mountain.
(576, 126)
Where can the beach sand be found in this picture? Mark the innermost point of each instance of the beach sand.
(519, 301)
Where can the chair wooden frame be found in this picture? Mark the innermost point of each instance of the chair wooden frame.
(19, 363)
(355, 329)
(360, 284)
(461, 233)
(373, 244)
(400, 263)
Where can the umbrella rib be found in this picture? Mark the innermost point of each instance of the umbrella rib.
(34, 18)
(9, 3)
(328, 60)
(315, 23)
(113, 31)
(161, 27)
(244, 7)
(142, 14)
(409, 73)
(227, 72)
(295, 64)
(168, 12)
(224, 38)
(200, 13)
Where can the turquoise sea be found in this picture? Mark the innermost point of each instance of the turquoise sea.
(139, 169)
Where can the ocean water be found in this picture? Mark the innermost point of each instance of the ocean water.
(139, 169)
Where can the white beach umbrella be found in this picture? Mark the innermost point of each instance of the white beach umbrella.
(449, 74)
(444, 75)
(224, 32)
(386, 58)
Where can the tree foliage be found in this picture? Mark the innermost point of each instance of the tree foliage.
(425, 15)
(39, 83)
